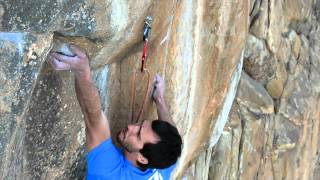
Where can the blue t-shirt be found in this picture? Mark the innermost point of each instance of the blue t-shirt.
(107, 162)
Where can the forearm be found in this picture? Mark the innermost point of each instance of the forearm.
(97, 126)
(162, 110)
(88, 98)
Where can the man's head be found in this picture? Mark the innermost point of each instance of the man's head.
(153, 144)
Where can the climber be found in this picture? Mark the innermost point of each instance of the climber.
(149, 149)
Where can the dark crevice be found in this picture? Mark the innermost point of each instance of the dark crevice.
(255, 13)
(241, 142)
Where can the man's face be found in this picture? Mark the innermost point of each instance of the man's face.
(134, 136)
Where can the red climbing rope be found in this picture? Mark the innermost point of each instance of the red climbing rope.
(135, 119)
(144, 71)
(144, 55)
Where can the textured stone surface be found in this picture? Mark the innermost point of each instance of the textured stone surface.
(279, 145)
(253, 96)
(275, 88)
(259, 18)
(21, 57)
(198, 47)
(257, 58)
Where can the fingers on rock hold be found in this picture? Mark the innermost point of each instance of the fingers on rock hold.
(58, 65)
(63, 58)
(77, 50)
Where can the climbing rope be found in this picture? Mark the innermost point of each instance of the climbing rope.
(144, 71)
(134, 95)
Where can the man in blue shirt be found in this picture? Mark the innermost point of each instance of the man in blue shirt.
(149, 149)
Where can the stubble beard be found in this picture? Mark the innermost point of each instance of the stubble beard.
(122, 141)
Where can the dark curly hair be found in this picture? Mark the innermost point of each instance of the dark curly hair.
(166, 152)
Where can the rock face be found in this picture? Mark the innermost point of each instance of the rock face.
(264, 125)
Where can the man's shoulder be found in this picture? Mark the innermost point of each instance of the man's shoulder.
(162, 173)
(104, 158)
(106, 145)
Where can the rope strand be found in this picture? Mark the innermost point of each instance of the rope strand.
(147, 28)
(144, 101)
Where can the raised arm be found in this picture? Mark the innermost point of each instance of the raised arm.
(97, 126)
(158, 97)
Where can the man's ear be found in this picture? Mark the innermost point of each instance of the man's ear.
(141, 159)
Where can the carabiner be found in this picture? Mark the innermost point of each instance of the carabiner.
(147, 28)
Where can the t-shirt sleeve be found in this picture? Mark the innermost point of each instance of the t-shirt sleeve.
(166, 173)
(104, 158)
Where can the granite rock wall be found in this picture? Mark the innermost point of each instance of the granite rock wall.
(242, 83)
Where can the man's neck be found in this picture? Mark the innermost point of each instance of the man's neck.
(131, 157)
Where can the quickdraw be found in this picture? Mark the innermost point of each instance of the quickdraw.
(144, 70)
(147, 28)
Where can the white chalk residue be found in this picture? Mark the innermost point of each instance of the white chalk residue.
(186, 60)
(119, 15)
(186, 37)
(164, 39)
(224, 114)
(101, 78)
(16, 38)
(189, 46)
